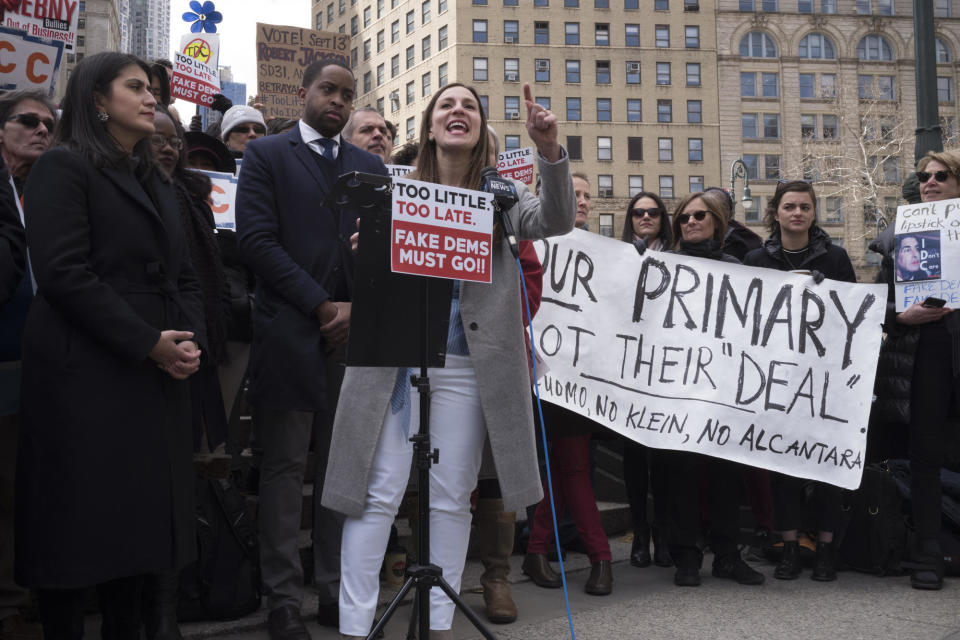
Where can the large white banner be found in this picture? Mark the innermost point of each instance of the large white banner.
(926, 253)
(754, 365)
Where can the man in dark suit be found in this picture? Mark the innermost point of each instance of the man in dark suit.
(300, 253)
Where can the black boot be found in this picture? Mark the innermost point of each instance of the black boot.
(160, 614)
(927, 566)
(661, 547)
(824, 567)
(789, 567)
(640, 549)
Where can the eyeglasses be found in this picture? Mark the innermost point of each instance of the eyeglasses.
(939, 176)
(684, 218)
(639, 212)
(32, 121)
(246, 128)
(158, 141)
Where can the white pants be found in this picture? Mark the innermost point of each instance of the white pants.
(458, 430)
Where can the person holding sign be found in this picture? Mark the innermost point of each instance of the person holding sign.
(483, 391)
(917, 379)
(699, 226)
(796, 242)
(105, 480)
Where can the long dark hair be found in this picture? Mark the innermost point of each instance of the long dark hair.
(428, 167)
(665, 235)
(773, 204)
(80, 129)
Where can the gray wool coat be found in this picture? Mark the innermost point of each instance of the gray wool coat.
(494, 330)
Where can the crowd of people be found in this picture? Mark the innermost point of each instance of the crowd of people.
(129, 324)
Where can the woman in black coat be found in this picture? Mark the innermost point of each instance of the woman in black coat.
(104, 476)
(797, 243)
(699, 226)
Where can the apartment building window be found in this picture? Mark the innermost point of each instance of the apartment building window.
(367, 82)
(511, 69)
(380, 41)
(604, 148)
(808, 126)
(605, 186)
(511, 3)
(806, 82)
(635, 149)
(410, 21)
(748, 125)
(511, 142)
(663, 73)
(691, 37)
(354, 26)
(575, 147)
(380, 8)
(694, 111)
(479, 30)
(480, 70)
(411, 129)
(662, 36)
(770, 85)
(631, 5)
(441, 6)
(804, 6)
(573, 109)
(394, 31)
(664, 110)
(425, 12)
(944, 89)
(833, 210)
(943, 51)
(318, 23)
(411, 92)
(666, 186)
(381, 73)
(941, 8)
(329, 13)
(817, 46)
(380, 106)
(571, 4)
(367, 16)
(874, 47)
(634, 110)
(603, 72)
(485, 103)
(442, 38)
(875, 87)
(752, 162)
(604, 110)
(442, 75)
(341, 7)
(601, 34)
(757, 44)
(748, 84)
(696, 184)
(693, 74)
(425, 85)
(771, 126)
(601, 4)
(543, 101)
(411, 56)
(425, 48)
(571, 31)
(771, 167)
(479, 3)
(634, 185)
(541, 70)
(353, 58)
(511, 107)
(878, 7)
(661, 5)
(665, 149)
(828, 85)
(828, 6)
(633, 72)
(511, 31)
(830, 127)
(632, 35)
(606, 220)
(395, 66)
(541, 33)
(366, 50)
(572, 71)
(541, 3)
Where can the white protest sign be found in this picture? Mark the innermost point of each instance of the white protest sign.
(398, 170)
(926, 253)
(753, 365)
(440, 231)
(47, 19)
(223, 198)
(195, 77)
(516, 164)
(28, 62)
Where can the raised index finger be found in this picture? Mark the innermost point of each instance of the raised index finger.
(527, 95)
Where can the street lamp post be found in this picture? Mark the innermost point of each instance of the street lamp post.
(739, 170)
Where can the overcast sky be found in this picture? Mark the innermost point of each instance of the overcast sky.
(238, 30)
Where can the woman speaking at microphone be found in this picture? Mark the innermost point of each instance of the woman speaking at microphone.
(483, 390)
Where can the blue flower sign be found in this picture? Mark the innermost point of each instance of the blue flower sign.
(204, 17)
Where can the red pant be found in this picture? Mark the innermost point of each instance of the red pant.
(570, 469)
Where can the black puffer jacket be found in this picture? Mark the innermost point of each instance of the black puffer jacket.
(711, 249)
(823, 256)
(740, 240)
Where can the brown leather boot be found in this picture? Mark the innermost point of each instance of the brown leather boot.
(495, 531)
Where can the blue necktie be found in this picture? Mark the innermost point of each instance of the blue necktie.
(326, 148)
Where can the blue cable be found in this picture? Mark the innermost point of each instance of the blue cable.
(546, 457)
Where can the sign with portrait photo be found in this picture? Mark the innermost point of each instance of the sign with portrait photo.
(926, 253)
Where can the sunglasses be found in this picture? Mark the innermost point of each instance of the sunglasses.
(245, 128)
(32, 121)
(158, 141)
(639, 212)
(684, 218)
(939, 176)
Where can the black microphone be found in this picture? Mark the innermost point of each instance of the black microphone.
(504, 197)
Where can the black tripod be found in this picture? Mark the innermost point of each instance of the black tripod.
(379, 338)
